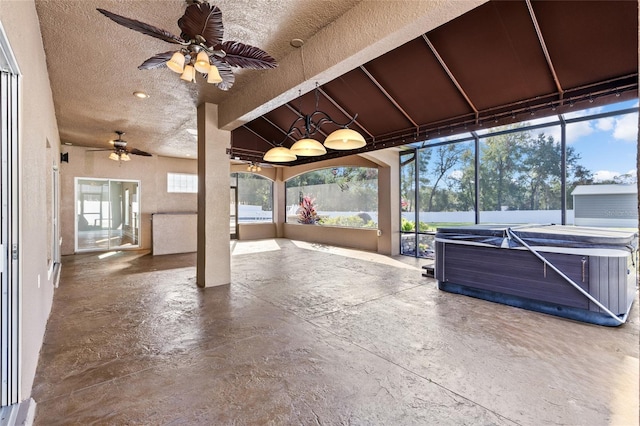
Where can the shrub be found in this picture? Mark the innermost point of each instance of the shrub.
(307, 213)
(349, 221)
(407, 225)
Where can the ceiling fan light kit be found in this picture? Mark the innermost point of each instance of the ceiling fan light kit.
(189, 73)
(176, 63)
(203, 51)
(120, 152)
(201, 46)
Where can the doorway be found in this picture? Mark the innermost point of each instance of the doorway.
(107, 214)
(233, 220)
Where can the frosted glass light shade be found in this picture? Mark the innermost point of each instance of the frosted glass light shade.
(202, 62)
(213, 74)
(279, 154)
(344, 139)
(189, 73)
(124, 157)
(113, 156)
(308, 148)
(176, 63)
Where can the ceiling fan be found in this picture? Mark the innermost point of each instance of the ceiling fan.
(120, 150)
(201, 46)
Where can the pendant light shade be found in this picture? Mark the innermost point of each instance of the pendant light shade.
(113, 156)
(213, 74)
(308, 148)
(344, 139)
(124, 156)
(279, 154)
(189, 73)
(202, 62)
(176, 63)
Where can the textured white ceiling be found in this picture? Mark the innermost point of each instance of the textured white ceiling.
(93, 62)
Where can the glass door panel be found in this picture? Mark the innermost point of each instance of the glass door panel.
(107, 214)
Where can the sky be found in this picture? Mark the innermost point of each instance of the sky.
(607, 146)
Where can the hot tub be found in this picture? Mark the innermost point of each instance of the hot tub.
(585, 274)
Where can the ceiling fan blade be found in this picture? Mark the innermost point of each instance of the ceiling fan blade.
(143, 28)
(204, 20)
(245, 56)
(135, 151)
(157, 61)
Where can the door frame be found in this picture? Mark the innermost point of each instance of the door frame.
(10, 122)
(137, 221)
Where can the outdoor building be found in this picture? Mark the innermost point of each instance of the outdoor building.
(606, 205)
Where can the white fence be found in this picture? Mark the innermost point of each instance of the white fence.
(248, 213)
(508, 216)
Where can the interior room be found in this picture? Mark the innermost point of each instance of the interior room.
(344, 134)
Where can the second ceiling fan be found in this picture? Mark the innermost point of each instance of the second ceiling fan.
(120, 150)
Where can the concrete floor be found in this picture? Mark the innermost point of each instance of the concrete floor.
(310, 334)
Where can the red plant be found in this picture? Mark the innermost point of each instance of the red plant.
(307, 211)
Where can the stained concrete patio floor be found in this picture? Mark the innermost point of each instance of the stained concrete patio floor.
(311, 334)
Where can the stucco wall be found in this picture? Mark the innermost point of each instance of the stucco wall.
(357, 238)
(39, 152)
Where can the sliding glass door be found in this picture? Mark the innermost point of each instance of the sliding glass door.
(107, 214)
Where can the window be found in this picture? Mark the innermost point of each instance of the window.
(521, 173)
(182, 182)
(255, 198)
(338, 196)
(520, 176)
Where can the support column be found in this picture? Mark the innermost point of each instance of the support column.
(214, 254)
(279, 203)
(389, 208)
(388, 161)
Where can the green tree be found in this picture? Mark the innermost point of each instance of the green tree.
(500, 164)
(540, 178)
(445, 159)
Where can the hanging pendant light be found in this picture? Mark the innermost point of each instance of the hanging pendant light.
(279, 154)
(308, 148)
(344, 139)
(307, 125)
